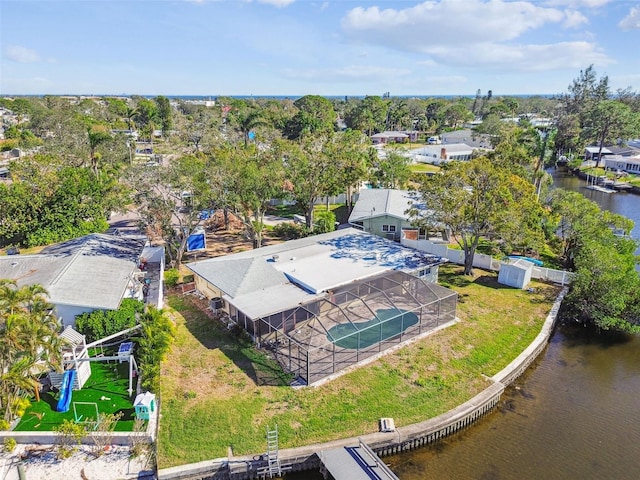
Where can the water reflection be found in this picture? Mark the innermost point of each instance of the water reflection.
(623, 203)
(574, 415)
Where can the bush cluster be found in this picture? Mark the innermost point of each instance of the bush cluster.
(99, 323)
(290, 230)
(171, 277)
(155, 339)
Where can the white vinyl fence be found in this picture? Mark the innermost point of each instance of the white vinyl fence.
(486, 262)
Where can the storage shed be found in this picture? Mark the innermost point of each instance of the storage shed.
(515, 272)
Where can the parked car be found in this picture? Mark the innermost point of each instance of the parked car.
(434, 141)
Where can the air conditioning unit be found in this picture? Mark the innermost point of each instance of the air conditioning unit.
(216, 303)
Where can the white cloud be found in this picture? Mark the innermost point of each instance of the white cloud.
(573, 19)
(527, 58)
(21, 54)
(276, 3)
(348, 73)
(631, 21)
(428, 63)
(577, 3)
(623, 81)
(475, 33)
(448, 22)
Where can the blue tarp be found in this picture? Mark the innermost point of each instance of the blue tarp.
(196, 241)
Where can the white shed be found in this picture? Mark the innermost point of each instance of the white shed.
(515, 272)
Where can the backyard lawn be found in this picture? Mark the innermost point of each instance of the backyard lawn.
(218, 392)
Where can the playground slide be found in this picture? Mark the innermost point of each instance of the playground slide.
(66, 390)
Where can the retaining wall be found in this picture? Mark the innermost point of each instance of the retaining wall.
(401, 440)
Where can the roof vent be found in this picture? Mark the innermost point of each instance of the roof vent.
(14, 264)
(275, 258)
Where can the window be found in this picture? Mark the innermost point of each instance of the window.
(389, 228)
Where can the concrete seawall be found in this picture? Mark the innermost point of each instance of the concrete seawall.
(402, 439)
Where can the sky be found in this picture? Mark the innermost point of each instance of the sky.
(300, 47)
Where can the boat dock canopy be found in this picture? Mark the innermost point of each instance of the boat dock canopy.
(355, 463)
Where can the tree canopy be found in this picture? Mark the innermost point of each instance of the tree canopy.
(477, 199)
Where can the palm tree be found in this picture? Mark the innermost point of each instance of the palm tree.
(130, 116)
(247, 120)
(29, 344)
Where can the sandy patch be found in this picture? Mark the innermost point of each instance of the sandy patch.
(40, 462)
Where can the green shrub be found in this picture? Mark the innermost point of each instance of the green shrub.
(100, 323)
(69, 435)
(171, 277)
(19, 406)
(156, 336)
(290, 230)
(4, 425)
(325, 221)
(9, 444)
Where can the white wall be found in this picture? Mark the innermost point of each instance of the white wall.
(67, 313)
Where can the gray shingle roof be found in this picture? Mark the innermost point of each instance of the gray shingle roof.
(376, 202)
(237, 276)
(90, 271)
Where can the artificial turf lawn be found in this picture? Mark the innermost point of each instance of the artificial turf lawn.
(362, 334)
(110, 380)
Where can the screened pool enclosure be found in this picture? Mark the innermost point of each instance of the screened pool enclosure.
(353, 323)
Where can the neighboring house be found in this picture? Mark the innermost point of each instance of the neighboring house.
(304, 297)
(94, 272)
(383, 212)
(591, 153)
(623, 164)
(437, 154)
(383, 138)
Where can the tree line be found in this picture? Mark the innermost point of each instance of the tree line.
(241, 154)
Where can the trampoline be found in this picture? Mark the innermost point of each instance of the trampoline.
(391, 322)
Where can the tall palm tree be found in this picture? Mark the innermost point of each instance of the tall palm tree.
(247, 120)
(29, 344)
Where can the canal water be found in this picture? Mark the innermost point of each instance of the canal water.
(575, 414)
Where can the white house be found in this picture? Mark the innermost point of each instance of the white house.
(437, 154)
(623, 164)
(325, 302)
(591, 153)
(94, 272)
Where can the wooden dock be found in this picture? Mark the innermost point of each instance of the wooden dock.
(598, 188)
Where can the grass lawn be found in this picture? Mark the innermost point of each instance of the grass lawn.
(109, 380)
(218, 392)
(423, 168)
(338, 209)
